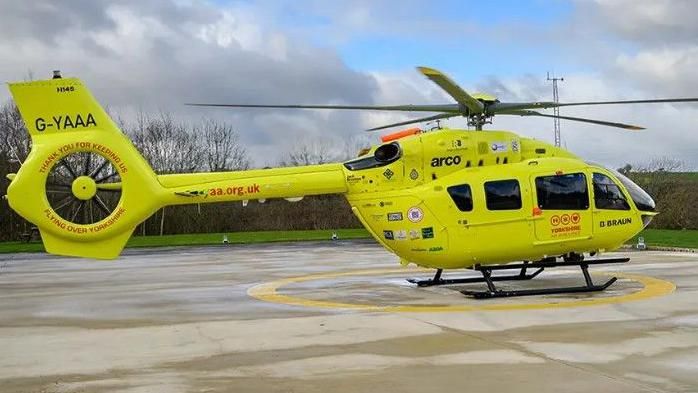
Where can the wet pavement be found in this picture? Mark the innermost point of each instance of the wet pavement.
(313, 317)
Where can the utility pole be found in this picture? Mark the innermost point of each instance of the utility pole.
(556, 110)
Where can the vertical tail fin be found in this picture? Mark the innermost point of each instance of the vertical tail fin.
(84, 185)
(59, 106)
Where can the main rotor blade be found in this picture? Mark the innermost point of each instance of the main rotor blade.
(653, 101)
(423, 119)
(401, 108)
(584, 120)
(500, 107)
(474, 106)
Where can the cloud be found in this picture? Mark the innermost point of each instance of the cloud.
(155, 55)
(647, 21)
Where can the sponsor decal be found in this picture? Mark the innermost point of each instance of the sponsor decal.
(401, 234)
(64, 122)
(457, 144)
(353, 179)
(613, 223)
(192, 193)
(388, 235)
(428, 233)
(445, 161)
(414, 234)
(388, 173)
(396, 216)
(414, 175)
(498, 147)
(415, 214)
(381, 203)
(377, 217)
(369, 204)
(515, 145)
(434, 249)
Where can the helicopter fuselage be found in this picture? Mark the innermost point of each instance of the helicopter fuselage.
(443, 199)
(452, 199)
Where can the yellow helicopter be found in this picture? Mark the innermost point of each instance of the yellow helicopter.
(443, 199)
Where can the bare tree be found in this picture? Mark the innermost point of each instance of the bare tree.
(625, 169)
(354, 145)
(311, 152)
(14, 148)
(221, 146)
(674, 194)
(655, 176)
(15, 137)
(166, 143)
(659, 165)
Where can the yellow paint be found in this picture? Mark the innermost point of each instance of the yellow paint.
(84, 188)
(269, 292)
(403, 202)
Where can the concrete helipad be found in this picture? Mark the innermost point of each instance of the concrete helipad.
(339, 317)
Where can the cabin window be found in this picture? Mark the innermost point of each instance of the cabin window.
(607, 194)
(503, 195)
(563, 192)
(462, 197)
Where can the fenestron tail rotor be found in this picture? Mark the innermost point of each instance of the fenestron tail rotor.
(83, 188)
(478, 109)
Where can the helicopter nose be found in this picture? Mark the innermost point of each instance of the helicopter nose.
(646, 219)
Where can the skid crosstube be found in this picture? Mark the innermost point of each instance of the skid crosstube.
(437, 280)
(493, 292)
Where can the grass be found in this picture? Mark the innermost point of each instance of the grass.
(686, 238)
(199, 239)
(653, 237)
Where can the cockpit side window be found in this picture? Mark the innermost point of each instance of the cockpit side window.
(607, 194)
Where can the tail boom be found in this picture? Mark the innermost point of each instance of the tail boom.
(289, 182)
(66, 123)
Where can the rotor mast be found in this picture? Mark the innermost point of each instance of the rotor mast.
(556, 109)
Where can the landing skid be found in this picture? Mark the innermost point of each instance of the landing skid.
(493, 292)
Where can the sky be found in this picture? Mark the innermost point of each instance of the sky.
(149, 55)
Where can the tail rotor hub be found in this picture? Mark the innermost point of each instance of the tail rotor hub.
(83, 188)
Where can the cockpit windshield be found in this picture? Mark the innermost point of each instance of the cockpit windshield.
(642, 199)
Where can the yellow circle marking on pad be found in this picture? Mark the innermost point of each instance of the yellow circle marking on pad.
(652, 287)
